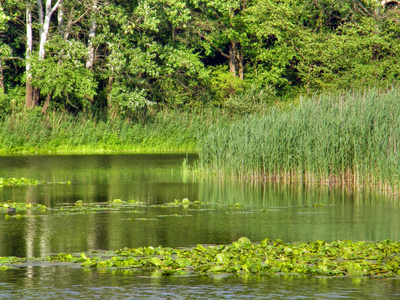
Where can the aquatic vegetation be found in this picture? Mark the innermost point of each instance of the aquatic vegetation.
(351, 138)
(19, 181)
(20, 210)
(242, 257)
(267, 257)
(185, 202)
(164, 131)
(11, 207)
(173, 216)
(80, 207)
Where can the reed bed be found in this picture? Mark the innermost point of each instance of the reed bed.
(351, 138)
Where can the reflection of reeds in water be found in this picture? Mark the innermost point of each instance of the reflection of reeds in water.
(277, 194)
(352, 138)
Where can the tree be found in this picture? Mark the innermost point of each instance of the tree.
(92, 35)
(321, 44)
(44, 22)
(29, 100)
(221, 28)
(147, 63)
(62, 74)
(5, 50)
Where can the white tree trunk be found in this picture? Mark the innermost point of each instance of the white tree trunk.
(92, 35)
(60, 18)
(44, 31)
(29, 43)
(29, 40)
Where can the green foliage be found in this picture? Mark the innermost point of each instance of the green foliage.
(322, 45)
(4, 18)
(223, 84)
(13, 101)
(18, 181)
(252, 100)
(4, 104)
(172, 54)
(62, 73)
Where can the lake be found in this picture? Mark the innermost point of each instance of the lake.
(291, 213)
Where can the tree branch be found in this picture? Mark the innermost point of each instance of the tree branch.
(215, 47)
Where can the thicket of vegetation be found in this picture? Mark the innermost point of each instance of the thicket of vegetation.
(351, 137)
(122, 57)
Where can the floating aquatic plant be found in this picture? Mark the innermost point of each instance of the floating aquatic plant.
(19, 181)
(19, 210)
(318, 258)
(338, 258)
(14, 209)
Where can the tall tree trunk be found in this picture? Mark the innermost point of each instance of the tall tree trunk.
(232, 58)
(92, 35)
(29, 93)
(240, 60)
(109, 90)
(45, 23)
(60, 19)
(46, 104)
(2, 91)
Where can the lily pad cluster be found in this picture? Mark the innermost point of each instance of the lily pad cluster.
(20, 209)
(338, 258)
(185, 203)
(19, 181)
(80, 207)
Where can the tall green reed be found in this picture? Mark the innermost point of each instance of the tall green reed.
(351, 137)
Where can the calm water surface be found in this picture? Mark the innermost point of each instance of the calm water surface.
(237, 209)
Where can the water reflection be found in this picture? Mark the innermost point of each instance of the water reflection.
(69, 283)
(236, 209)
(252, 209)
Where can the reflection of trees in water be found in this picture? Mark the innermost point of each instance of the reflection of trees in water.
(359, 215)
(97, 178)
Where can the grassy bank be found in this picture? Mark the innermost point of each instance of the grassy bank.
(347, 138)
(63, 133)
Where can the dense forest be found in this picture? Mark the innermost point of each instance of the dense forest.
(124, 57)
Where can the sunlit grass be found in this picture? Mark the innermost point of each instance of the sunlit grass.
(165, 131)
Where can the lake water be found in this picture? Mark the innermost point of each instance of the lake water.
(253, 210)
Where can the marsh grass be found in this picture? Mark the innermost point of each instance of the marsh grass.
(165, 131)
(351, 138)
